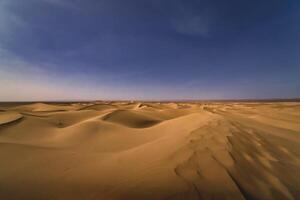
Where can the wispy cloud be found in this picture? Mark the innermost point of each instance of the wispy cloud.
(189, 20)
(9, 22)
(62, 3)
(192, 25)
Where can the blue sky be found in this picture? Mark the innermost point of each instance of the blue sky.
(149, 49)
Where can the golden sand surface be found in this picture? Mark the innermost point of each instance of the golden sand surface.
(143, 150)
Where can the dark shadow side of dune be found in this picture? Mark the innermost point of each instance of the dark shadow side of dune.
(11, 123)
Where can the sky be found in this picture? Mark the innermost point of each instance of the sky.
(149, 49)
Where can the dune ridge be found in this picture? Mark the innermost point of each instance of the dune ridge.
(144, 150)
(7, 118)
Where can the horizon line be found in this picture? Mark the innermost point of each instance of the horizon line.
(297, 99)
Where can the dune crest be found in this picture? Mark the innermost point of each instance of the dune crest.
(6, 118)
(131, 119)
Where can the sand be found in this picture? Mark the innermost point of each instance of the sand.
(142, 150)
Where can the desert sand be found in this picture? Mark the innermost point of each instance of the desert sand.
(144, 150)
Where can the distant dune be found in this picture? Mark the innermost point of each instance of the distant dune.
(143, 150)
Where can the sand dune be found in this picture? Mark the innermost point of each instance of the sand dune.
(124, 150)
(7, 117)
(131, 119)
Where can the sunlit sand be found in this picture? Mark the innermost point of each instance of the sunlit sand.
(133, 150)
